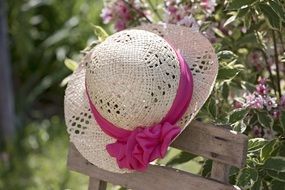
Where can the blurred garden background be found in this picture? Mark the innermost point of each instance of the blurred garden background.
(41, 41)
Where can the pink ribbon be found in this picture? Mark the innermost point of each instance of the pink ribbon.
(135, 149)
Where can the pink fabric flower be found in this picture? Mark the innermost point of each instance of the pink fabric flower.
(144, 145)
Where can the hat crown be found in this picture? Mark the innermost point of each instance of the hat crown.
(132, 78)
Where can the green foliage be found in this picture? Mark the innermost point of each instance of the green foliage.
(247, 178)
(238, 115)
(265, 119)
(38, 159)
(271, 16)
(276, 163)
(100, 33)
(236, 4)
(43, 33)
(70, 64)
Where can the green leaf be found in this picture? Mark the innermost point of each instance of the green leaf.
(218, 32)
(277, 185)
(246, 178)
(230, 20)
(242, 12)
(247, 39)
(271, 16)
(65, 81)
(238, 115)
(278, 8)
(100, 33)
(276, 163)
(268, 149)
(70, 64)
(212, 108)
(206, 169)
(227, 73)
(226, 55)
(225, 91)
(257, 185)
(248, 19)
(265, 119)
(282, 149)
(247, 86)
(237, 4)
(280, 176)
(240, 126)
(256, 144)
(181, 158)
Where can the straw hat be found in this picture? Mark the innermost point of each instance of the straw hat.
(132, 79)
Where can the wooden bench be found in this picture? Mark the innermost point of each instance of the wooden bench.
(225, 147)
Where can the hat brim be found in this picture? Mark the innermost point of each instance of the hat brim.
(85, 133)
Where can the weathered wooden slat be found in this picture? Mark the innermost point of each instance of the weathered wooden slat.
(96, 184)
(220, 172)
(155, 178)
(213, 142)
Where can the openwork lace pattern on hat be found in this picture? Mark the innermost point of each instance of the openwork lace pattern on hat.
(132, 78)
(200, 57)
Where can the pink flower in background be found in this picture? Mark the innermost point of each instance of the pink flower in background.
(262, 80)
(254, 101)
(266, 133)
(270, 103)
(261, 89)
(269, 133)
(176, 11)
(276, 114)
(120, 25)
(257, 131)
(122, 13)
(208, 5)
(238, 104)
(123, 10)
(260, 98)
(189, 21)
(106, 15)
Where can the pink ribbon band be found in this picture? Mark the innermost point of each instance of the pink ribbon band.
(135, 149)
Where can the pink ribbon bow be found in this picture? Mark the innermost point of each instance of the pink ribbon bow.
(144, 145)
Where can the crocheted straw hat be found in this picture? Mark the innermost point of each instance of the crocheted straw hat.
(128, 84)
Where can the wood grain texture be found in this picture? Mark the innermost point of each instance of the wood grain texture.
(155, 178)
(96, 184)
(213, 142)
(220, 172)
